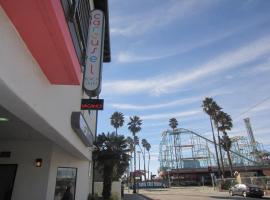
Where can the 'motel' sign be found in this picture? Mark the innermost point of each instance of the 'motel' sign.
(94, 54)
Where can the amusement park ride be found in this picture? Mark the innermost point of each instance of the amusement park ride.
(184, 151)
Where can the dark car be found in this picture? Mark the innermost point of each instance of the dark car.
(246, 190)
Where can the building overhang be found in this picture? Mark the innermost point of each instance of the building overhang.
(103, 5)
(43, 28)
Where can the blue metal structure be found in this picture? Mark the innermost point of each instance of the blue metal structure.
(185, 149)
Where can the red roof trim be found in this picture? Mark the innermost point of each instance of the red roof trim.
(43, 28)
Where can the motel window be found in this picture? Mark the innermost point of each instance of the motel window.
(65, 182)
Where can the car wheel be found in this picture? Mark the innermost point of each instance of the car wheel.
(244, 194)
(231, 193)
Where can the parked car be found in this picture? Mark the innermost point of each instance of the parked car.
(246, 190)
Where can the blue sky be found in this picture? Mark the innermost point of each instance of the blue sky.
(167, 56)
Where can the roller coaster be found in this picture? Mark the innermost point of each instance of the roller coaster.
(185, 149)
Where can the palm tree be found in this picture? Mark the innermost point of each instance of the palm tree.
(134, 126)
(209, 109)
(144, 144)
(117, 120)
(136, 140)
(226, 124)
(112, 158)
(137, 143)
(217, 117)
(148, 147)
(173, 123)
(226, 143)
(130, 143)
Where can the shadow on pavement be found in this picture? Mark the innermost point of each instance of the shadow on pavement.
(136, 197)
(238, 197)
(155, 190)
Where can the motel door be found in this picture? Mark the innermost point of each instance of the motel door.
(7, 177)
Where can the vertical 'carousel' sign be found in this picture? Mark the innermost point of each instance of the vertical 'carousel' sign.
(94, 54)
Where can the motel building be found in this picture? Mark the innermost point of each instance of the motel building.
(51, 55)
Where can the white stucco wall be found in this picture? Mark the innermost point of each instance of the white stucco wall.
(47, 108)
(30, 181)
(39, 183)
(27, 93)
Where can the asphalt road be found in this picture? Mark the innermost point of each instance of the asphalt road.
(189, 193)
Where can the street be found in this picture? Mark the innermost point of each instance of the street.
(187, 193)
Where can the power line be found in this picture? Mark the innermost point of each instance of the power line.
(252, 107)
(249, 109)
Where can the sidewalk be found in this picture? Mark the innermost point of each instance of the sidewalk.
(135, 197)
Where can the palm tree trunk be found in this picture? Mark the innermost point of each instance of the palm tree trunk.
(107, 182)
(230, 160)
(134, 173)
(148, 164)
(221, 156)
(176, 159)
(116, 131)
(131, 170)
(131, 163)
(215, 144)
(144, 164)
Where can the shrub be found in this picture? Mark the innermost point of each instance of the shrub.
(114, 196)
(93, 197)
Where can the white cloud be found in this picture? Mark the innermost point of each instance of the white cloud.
(258, 69)
(223, 62)
(156, 17)
(160, 85)
(183, 101)
(130, 57)
(128, 86)
(154, 125)
(170, 115)
(127, 57)
(155, 106)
